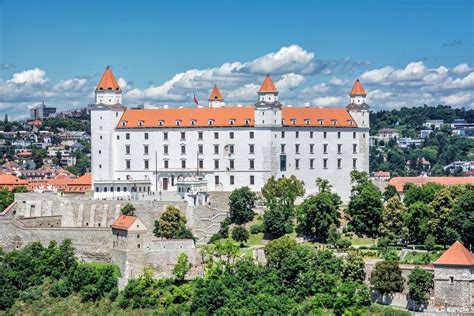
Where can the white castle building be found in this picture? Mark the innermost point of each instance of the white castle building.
(137, 151)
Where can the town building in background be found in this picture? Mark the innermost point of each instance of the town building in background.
(42, 111)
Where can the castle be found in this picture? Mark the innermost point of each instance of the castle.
(140, 151)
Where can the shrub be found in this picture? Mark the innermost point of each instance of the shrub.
(240, 234)
(31, 294)
(61, 288)
(89, 293)
(256, 229)
(343, 243)
(128, 209)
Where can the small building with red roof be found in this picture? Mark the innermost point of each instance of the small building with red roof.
(215, 99)
(129, 232)
(453, 279)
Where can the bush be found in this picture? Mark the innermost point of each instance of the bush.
(89, 293)
(343, 243)
(61, 288)
(128, 209)
(256, 229)
(31, 294)
(240, 234)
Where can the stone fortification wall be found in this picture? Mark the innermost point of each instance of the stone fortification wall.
(454, 284)
(91, 244)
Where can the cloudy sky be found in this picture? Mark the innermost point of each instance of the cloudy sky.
(406, 53)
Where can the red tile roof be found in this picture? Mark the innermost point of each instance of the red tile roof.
(457, 254)
(187, 117)
(325, 117)
(9, 179)
(231, 116)
(215, 94)
(399, 182)
(24, 154)
(124, 222)
(358, 89)
(108, 82)
(268, 85)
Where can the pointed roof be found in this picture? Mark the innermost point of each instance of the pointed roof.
(216, 94)
(457, 254)
(358, 89)
(124, 222)
(108, 82)
(268, 85)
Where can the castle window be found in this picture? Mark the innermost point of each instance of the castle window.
(339, 148)
(200, 148)
(325, 148)
(165, 135)
(165, 149)
(193, 122)
(138, 246)
(216, 135)
(297, 163)
(325, 163)
(210, 122)
(251, 149)
(321, 122)
(339, 163)
(216, 163)
(232, 180)
(127, 149)
(252, 180)
(231, 122)
(247, 121)
(200, 135)
(124, 123)
(334, 122)
(178, 122)
(127, 136)
(252, 164)
(307, 122)
(354, 163)
(138, 235)
(354, 148)
(282, 147)
(451, 279)
(165, 164)
(183, 164)
(161, 123)
(216, 180)
(293, 121)
(297, 148)
(338, 134)
(310, 134)
(297, 134)
(183, 149)
(216, 149)
(140, 123)
(282, 134)
(231, 135)
(183, 135)
(354, 135)
(201, 163)
(311, 148)
(146, 164)
(311, 163)
(350, 122)
(145, 135)
(251, 135)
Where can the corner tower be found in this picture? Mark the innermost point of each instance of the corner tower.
(215, 99)
(108, 91)
(357, 106)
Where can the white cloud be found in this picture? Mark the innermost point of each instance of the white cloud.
(289, 82)
(461, 68)
(327, 101)
(70, 84)
(32, 76)
(459, 99)
(288, 59)
(460, 83)
(316, 89)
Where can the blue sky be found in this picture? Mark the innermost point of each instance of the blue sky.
(165, 51)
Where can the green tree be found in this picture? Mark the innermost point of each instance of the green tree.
(438, 224)
(420, 283)
(333, 235)
(280, 196)
(387, 278)
(430, 242)
(354, 268)
(128, 209)
(172, 224)
(240, 234)
(392, 219)
(20, 189)
(316, 214)
(6, 198)
(461, 219)
(323, 185)
(365, 207)
(241, 205)
(181, 267)
(416, 221)
(389, 192)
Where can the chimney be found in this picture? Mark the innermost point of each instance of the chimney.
(165, 106)
(306, 105)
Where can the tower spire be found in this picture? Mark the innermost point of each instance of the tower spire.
(215, 99)
(108, 91)
(268, 85)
